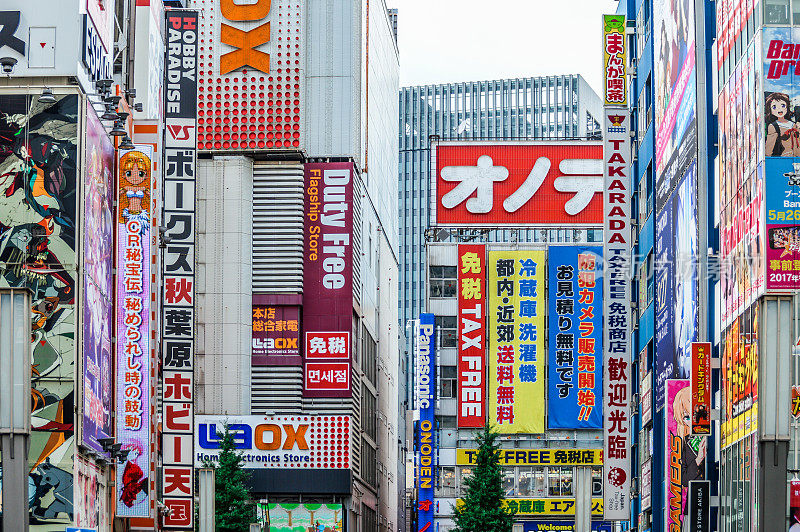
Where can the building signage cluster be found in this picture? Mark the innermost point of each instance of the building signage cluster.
(576, 336)
(516, 341)
(617, 316)
(328, 279)
(178, 308)
(278, 442)
(614, 60)
(134, 237)
(471, 335)
(701, 388)
(495, 184)
(276, 335)
(425, 433)
(537, 457)
(739, 372)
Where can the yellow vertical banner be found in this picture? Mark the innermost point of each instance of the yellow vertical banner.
(517, 303)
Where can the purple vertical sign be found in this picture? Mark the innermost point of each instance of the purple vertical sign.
(98, 241)
(328, 279)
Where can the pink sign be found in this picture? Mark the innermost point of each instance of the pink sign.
(133, 329)
(328, 278)
(783, 257)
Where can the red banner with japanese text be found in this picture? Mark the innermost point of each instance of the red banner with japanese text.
(471, 335)
(701, 388)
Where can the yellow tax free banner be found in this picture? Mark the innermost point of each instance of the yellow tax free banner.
(536, 457)
(546, 506)
(517, 303)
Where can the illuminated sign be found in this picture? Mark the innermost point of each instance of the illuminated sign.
(536, 457)
(471, 335)
(701, 388)
(317, 442)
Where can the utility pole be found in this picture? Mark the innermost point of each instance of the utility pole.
(583, 499)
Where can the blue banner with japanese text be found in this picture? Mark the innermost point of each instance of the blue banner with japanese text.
(575, 364)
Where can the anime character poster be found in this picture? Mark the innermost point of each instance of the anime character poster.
(739, 374)
(98, 239)
(133, 329)
(305, 517)
(90, 508)
(685, 454)
(675, 92)
(676, 250)
(781, 92)
(38, 231)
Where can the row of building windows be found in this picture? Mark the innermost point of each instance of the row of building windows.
(527, 481)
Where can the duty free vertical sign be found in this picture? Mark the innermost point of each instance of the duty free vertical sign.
(178, 309)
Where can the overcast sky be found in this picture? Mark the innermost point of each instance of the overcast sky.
(445, 41)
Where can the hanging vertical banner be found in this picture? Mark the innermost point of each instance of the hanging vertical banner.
(426, 429)
(576, 334)
(616, 88)
(328, 279)
(794, 502)
(133, 329)
(471, 335)
(616, 314)
(701, 388)
(685, 459)
(516, 333)
(178, 308)
(698, 503)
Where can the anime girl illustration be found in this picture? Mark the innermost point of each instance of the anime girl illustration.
(783, 135)
(134, 482)
(692, 449)
(134, 184)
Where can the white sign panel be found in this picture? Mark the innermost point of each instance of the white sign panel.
(617, 436)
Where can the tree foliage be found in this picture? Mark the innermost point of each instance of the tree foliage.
(482, 510)
(234, 508)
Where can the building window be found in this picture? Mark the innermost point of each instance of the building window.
(597, 481)
(369, 359)
(368, 413)
(447, 477)
(446, 422)
(446, 328)
(508, 482)
(443, 281)
(449, 382)
(531, 482)
(776, 12)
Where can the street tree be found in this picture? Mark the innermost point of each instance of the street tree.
(234, 508)
(483, 509)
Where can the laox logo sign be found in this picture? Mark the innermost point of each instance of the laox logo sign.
(245, 41)
(265, 436)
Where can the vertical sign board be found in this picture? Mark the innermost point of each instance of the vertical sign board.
(133, 328)
(516, 336)
(616, 88)
(616, 314)
(328, 279)
(471, 335)
(685, 459)
(576, 336)
(701, 388)
(178, 309)
(276, 335)
(426, 429)
(698, 503)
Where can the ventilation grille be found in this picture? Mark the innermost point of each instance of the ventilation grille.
(277, 228)
(276, 389)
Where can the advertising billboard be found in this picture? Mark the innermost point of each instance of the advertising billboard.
(98, 264)
(178, 306)
(614, 61)
(646, 392)
(617, 315)
(305, 517)
(701, 388)
(328, 279)
(575, 359)
(518, 183)
(732, 17)
(563, 526)
(550, 506)
(536, 457)
(276, 335)
(675, 88)
(134, 240)
(253, 82)
(685, 455)
(471, 335)
(426, 444)
(516, 341)
(277, 442)
(676, 250)
(38, 243)
(739, 373)
(783, 223)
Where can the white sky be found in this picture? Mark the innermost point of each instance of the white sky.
(444, 41)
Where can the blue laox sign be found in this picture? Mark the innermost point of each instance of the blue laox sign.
(426, 439)
(276, 442)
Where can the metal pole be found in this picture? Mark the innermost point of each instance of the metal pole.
(207, 508)
(15, 405)
(583, 499)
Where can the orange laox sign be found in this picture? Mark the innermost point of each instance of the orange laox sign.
(245, 41)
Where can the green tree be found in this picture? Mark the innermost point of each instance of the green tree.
(483, 509)
(234, 508)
